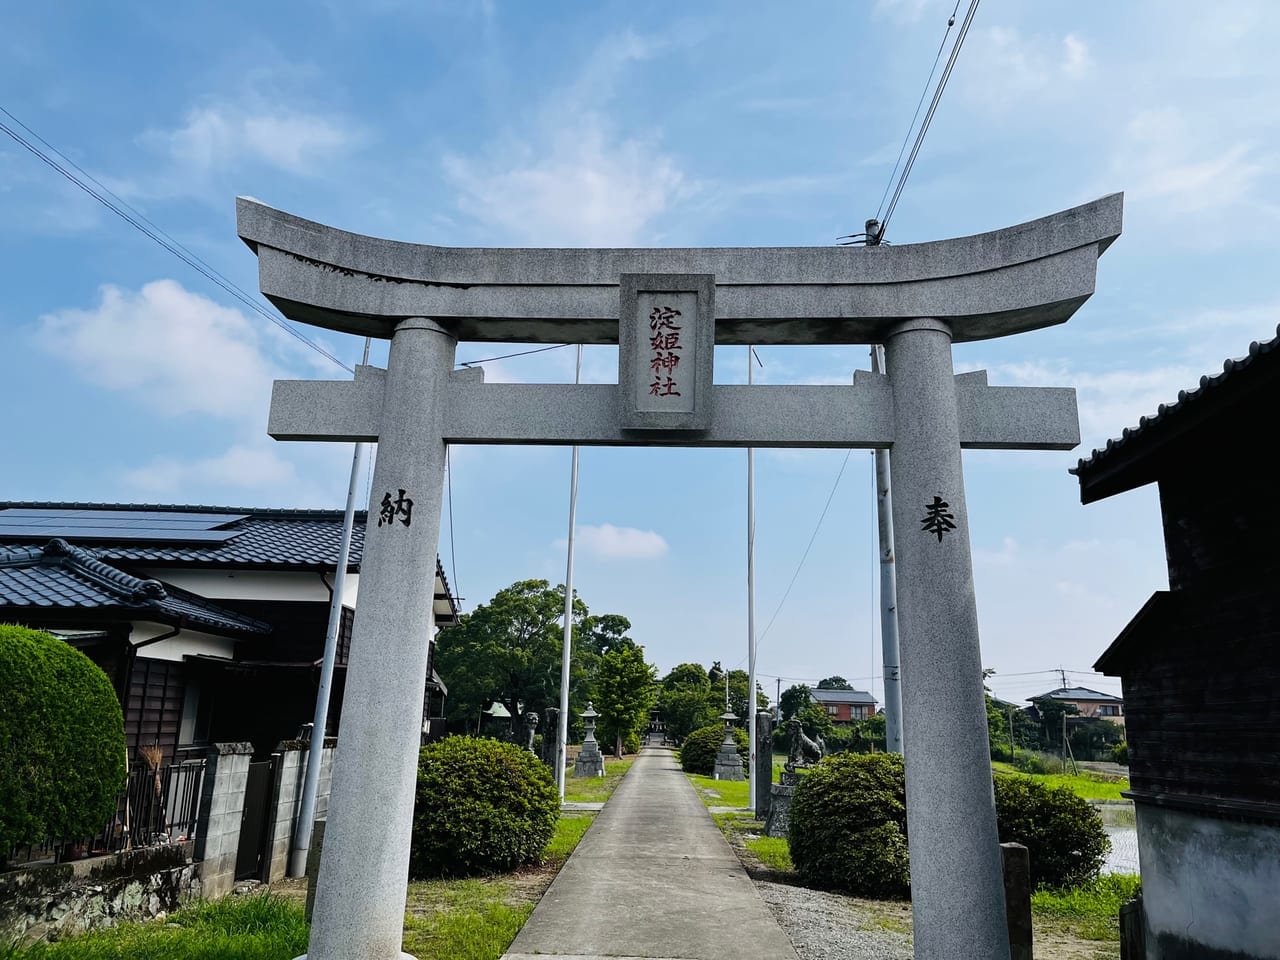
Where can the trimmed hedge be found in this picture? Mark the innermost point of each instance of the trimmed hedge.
(1064, 832)
(483, 806)
(62, 746)
(698, 750)
(848, 827)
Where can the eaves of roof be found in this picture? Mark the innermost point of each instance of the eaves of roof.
(61, 578)
(1125, 462)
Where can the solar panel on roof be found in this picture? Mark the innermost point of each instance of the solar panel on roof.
(120, 526)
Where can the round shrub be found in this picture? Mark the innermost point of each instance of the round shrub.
(483, 806)
(1063, 832)
(698, 750)
(848, 825)
(62, 747)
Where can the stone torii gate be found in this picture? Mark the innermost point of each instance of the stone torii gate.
(667, 308)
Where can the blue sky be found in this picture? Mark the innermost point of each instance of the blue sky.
(131, 378)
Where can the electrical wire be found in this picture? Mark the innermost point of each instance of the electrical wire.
(951, 22)
(928, 117)
(508, 356)
(137, 220)
(800, 565)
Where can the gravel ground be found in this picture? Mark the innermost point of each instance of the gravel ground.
(826, 926)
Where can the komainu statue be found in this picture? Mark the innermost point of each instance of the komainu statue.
(804, 752)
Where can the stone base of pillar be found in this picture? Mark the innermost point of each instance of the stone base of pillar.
(779, 810)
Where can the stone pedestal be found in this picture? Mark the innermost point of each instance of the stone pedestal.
(780, 795)
(589, 763)
(763, 771)
(729, 765)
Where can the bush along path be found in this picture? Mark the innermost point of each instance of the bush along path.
(840, 888)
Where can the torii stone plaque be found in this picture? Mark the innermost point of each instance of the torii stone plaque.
(915, 299)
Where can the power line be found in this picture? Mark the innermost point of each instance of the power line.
(803, 558)
(138, 221)
(508, 356)
(951, 22)
(928, 117)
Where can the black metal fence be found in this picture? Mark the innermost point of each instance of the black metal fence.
(156, 806)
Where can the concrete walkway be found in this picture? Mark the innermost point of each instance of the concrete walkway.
(653, 878)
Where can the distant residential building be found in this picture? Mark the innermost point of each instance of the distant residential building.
(1200, 664)
(845, 706)
(1088, 703)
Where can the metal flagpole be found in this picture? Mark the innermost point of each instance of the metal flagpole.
(562, 735)
(307, 813)
(751, 614)
(888, 590)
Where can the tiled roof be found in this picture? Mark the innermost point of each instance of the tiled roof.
(1077, 693)
(841, 696)
(59, 576)
(306, 539)
(1258, 367)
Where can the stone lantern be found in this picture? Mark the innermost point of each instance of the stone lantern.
(728, 763)
(589, 762)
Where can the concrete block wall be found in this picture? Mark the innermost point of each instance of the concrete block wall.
(221, 810)
(290, 779)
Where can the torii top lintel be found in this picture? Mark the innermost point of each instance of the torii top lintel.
(987, 285)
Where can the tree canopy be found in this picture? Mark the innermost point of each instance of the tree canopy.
(794, 699)
(834, 683)
(508, 651)
(624, 693)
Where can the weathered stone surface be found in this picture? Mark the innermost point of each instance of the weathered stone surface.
(780, 795)
(992, 284)
(68, 898)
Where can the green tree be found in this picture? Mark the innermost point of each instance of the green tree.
(508, 651)
(814, 721)
(62, 746)
(738, 694)
(625, 690)
(692, 675)
(835, 683)
(794, 699)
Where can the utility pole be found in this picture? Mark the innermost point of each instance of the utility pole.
(320, 719)
(562, 732)
(1013, 751)
(752, 786)
(777, 701)
(888, 580)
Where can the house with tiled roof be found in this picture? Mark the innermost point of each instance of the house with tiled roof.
(210, 621)
(844, 706)
(1088, 703)
(1199, 663)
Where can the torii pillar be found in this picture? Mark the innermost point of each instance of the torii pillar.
(918, 300)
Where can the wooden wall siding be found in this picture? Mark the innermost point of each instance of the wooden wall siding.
(344, 635)
(1202, 703)
(153, 709)
(1221, 529)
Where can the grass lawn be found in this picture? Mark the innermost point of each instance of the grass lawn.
(1089, 786)
(596, 789)
(721, 793)
(471, 919)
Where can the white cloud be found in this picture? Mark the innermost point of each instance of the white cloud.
(1178, 166)
(581, 188)
(178, 352)
(240, 467)
(220, 136)
(1001, 67)
(570, 179)
(610, 542)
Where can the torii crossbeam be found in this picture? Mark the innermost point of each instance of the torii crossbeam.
(667, 309)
